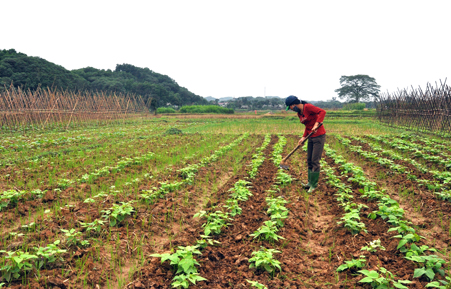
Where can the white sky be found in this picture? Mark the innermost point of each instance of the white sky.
(239, 48)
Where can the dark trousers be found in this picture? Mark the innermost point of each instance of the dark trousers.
(315, 148)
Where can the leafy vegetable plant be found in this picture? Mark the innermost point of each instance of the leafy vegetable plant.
(263, 259)
(17, 263)
(267, 231)
(353, 264)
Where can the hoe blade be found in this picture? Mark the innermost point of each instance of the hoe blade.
(284, 166)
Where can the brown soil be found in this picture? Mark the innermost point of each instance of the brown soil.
(314, 246)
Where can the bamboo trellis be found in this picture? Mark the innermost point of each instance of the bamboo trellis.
(418, 109)
(45, 108)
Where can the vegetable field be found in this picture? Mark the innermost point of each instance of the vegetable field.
(202, 203)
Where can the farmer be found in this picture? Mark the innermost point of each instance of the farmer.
(311, 116)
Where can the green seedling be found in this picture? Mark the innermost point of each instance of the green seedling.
(15, 235)
(441, 284)
(29, 227)
(49, 254)
(72, 238)
(233, 207)
(432, 264)
(95, 226)
(183, 264)
(353, 264)
(402, 228)
(268, 232)
(64, 183)
(240, 192)
(282, 178)
(263, 259)
(351, 221)
(205, 241)
(257, 285)
(215, 221)
(118, 213)
(17, 263)
(183, 280)
(418, 251)
(382, 280)
(373, 246)
(409, 238)
(89, 200)
(10, 198)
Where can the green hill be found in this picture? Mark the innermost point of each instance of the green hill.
(156, 89)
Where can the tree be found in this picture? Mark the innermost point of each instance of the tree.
(358, 87)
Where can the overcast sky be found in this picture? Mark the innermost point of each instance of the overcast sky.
(241, 48)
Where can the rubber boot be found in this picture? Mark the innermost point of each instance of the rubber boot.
(307, 185)
(314, 177)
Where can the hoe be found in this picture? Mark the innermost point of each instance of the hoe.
(283, 164)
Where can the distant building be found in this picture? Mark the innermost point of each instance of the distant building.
(223, 104)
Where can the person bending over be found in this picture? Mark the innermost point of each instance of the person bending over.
(311, 116)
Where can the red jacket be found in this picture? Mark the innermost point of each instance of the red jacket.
(310, 115)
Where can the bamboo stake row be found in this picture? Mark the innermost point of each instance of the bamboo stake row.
(45, 108)
(417, 109)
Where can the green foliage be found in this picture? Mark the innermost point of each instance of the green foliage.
(205, 109)
(276, 210)
(173, 130)
(17, 263)
(432, 264)
(445, 284)
(353, 264)
(282, 178)
(72, 238)
(32, 72)
(215, 221)
(233, 207)
(49, 254)
(256, 284)
(94, 226)
(183, 264)
(182, 261)
(240, 191)
(409, 238)
(117, 213)
(263, 259)
(373, 246)
(267, 232)
(358, 87)
(354, 106)
(165, 110)
(205, 241)
(182, 280)
(351, 220)
(10, 198)
(382, 279)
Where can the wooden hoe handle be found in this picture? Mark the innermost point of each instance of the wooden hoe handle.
(299, 145)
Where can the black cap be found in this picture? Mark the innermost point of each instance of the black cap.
(291, 100)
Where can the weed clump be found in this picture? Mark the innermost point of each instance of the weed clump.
(173, 130)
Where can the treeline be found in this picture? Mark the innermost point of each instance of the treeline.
(276, 103)
(197, 109)
(32, 72)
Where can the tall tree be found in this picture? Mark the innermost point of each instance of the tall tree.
(355, 88)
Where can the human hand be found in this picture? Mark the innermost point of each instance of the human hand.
(301, 140)
(315, 127)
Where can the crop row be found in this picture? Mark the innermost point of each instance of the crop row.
(113, 215)
(416, 150)
(440, 189)
(182, 260)
(389, 210)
